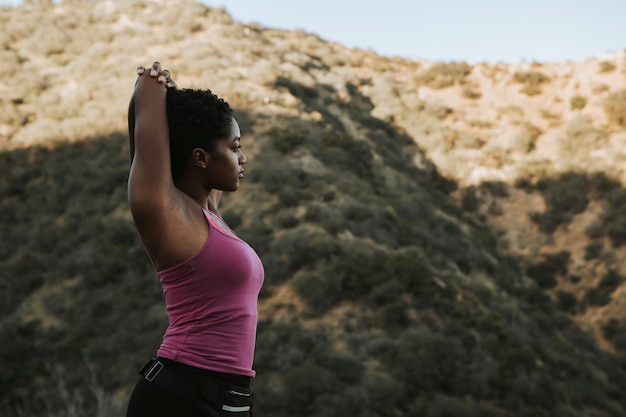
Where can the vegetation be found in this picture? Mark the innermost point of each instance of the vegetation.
(615, 108)
(545, 272)
(565, 197)
(442, 75)
(532, 81)
(607, 66)
(413, 330)
(384, 295)
(569, 194)
(578, 102)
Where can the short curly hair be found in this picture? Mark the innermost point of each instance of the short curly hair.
(196, 119)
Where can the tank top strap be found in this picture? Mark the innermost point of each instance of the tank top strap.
(217, 222)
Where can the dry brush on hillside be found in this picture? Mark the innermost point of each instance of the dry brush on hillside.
(439, 238)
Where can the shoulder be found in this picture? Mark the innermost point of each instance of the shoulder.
(173, 230)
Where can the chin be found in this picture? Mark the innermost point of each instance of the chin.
(235, 187)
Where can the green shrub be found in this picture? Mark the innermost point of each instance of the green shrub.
(339, 150)
(394, 315)
(615, 108)
(442, 405)
(615, 332)
(601, 184)
(607, 66)
(304, 246)
(358, 266)
(611, 328)
(612, 221)
(565, 197)
(593, 250)
(611, 280)
(566, 301)
(285, 179)
(532, 81)
(581, 138)
(442, 75)
(412, 269)
(286, 219)
(596, 297)
(577, 103)
(536, 297)
(545, 272)
(495, 188)
(386, 292)
(285, 140)
(297, 89)
(320, 291)
(469, 200)
(471, 93)
(544, 277)
(426, 361)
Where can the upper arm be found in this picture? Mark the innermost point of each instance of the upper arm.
(150, 181)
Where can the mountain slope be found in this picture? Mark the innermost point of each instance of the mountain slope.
(410, 252)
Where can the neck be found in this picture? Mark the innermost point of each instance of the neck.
(194, 191)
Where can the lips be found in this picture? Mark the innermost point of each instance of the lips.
(241, 173)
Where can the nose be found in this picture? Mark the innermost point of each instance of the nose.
(242, 157)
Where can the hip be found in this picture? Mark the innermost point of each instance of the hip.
(169, 388)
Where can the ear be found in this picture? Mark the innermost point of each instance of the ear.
(200, 157)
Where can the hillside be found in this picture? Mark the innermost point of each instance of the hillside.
(440, 239)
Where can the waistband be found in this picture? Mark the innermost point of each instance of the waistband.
(204, 388)
(195, 373)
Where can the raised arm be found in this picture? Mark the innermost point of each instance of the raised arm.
(150, 183)
(169, 83)
(162, 215)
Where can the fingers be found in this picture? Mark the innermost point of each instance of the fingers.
(156, 69)
(172, 84)
(163, 76)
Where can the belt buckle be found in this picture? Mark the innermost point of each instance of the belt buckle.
(154, 371)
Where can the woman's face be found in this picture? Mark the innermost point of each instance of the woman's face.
(225, 169)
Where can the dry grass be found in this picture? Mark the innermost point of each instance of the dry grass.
(71, 82)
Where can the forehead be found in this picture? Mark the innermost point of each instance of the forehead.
(234, 129)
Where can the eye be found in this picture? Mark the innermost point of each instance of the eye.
(236, 148)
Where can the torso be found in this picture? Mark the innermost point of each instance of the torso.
(211, 299)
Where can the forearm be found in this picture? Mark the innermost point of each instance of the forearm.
(150, 180)
(149, 136)
(168, 82)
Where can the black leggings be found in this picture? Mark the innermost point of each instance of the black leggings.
(150, 400)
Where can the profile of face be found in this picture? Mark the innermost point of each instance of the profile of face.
(224, 169)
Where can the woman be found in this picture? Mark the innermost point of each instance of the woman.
(185, 150)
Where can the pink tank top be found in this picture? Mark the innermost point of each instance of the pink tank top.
(211, 300)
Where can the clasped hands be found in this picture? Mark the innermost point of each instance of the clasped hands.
(162, 76)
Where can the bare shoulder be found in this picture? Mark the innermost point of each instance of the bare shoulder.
(171, 229)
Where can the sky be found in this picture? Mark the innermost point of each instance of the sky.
(452, 30)
(473, 31)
